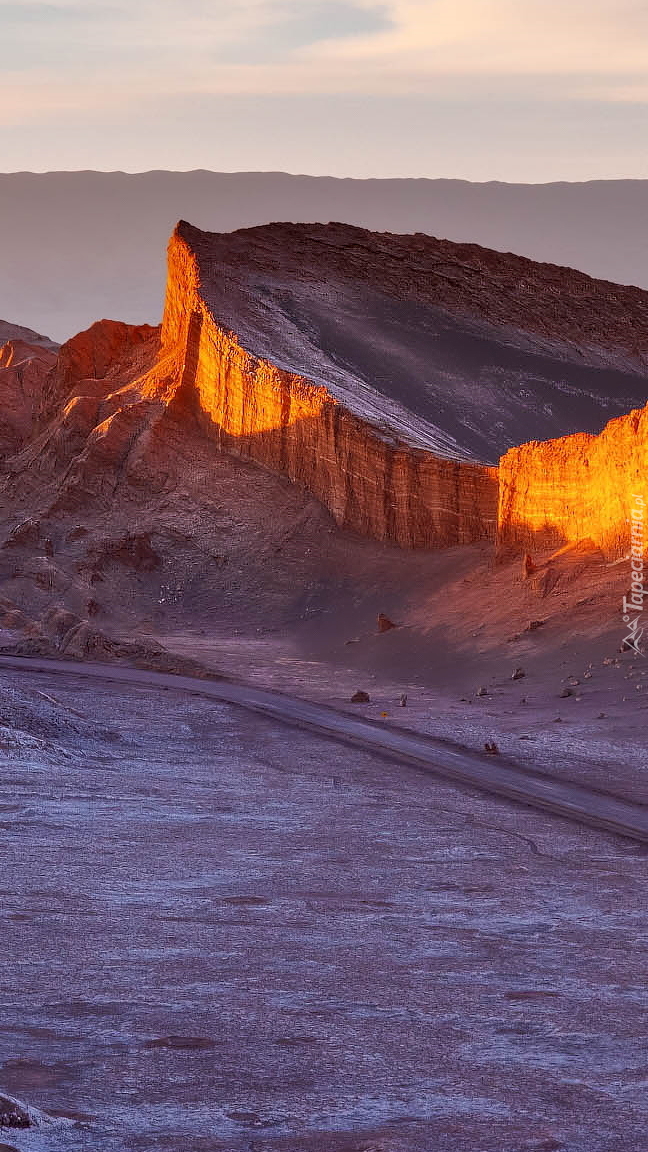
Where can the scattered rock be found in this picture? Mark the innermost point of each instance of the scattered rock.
(25, 535)
(528, 567)
(360, 697)
(491, 747)
(601, 716)
(565, 693)
(518, 674)
(384, 623)
(534, 624)
(182, 1043)
(482, 691)
(558, 720)
(403, 700)
(13, 1114)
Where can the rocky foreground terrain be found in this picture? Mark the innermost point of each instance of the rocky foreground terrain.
(219, 934)
(309, 444)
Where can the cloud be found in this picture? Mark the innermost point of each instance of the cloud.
(107, 56)
(400, 46)
(284, 28)
(507, 37)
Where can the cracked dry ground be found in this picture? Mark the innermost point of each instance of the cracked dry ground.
(223, 935)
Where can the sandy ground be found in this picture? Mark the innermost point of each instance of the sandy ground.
(597, 735)
(219, 934)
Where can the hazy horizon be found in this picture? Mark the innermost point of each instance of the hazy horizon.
(79, 246)
(312, 175)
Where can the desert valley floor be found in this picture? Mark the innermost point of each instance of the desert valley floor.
(225, 934)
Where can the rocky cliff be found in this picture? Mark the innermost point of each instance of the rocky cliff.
(365, 468)
(575, 488)
(337, 370)
(385, 373)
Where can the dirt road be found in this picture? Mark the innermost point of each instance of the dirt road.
(491, 774)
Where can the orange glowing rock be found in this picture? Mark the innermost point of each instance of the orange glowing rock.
(576, 488)
(370, 483)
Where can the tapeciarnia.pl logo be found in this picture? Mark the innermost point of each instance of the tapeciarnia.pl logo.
(633, 605)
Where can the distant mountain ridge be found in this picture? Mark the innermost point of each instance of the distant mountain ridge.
(16, 332)
(81, 245)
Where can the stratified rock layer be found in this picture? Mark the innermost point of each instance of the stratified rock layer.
(576, 487)
(371, 481)
(446, 347)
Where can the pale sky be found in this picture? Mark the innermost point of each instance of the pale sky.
(518, 90)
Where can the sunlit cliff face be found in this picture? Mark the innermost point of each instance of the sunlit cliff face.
(550, 493)
(370, 483)
(575, 488)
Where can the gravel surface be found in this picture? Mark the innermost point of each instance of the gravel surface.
(219, 934)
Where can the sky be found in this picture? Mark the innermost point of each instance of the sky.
(515, 90)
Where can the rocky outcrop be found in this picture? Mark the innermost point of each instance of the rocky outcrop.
(575, 488)
(369, 479)
(65, 392)
(25, 374)
(17, 333)
(360, 365)
(447, 347)
(101, 350)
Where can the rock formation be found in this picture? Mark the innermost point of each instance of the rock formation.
(377, 372)
(25, 373)
(449, 347)
(576, 488)
(361, 365)
(365, 457)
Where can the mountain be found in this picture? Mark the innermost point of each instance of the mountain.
(80, 245)
(15, 333)
(300, 441)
